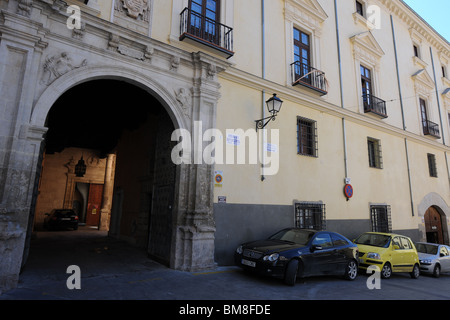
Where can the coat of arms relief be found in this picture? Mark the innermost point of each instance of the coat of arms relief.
(134, 8)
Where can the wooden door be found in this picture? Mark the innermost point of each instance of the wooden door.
(433, 226)
(366, 84)
(302, 56)
(94, 204)
(161, 220)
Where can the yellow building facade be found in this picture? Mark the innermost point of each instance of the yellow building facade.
(361, 142)
(386, 156)
(407, 61)
(383, 39)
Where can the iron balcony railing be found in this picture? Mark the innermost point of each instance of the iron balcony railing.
(431, 129)
(309, 77)
(374, 105)
(207, 31)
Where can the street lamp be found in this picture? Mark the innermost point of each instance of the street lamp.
(274, 106)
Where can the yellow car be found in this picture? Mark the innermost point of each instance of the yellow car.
(390, 252)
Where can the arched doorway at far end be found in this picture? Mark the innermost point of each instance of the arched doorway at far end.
(434, 226)
(134, 130)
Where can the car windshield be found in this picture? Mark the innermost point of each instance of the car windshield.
(426, 248)
(373, 239)
(297, 236)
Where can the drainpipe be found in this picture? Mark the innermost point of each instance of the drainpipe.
(403, 116)
(398, 73)
(344, 130)
(339, 53)
(113, 4)
(409, 177)
(263, 68)
(437, 96)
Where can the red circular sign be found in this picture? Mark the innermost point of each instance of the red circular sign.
(218, 178)
(348, 191)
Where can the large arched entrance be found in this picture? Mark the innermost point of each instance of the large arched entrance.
(123, 135)
(186, 86)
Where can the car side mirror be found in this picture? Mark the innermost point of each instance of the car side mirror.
(442, 254)
(316, 247)
(396, 247)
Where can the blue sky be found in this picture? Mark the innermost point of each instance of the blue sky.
(435, 12)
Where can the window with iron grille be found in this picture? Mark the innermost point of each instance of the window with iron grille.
(307, 137)
(310, 215)
(432, 165)
(381, 218)
(375, 155)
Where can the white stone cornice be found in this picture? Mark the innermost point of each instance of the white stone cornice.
(446, 82)
(446, 98)
(367, 49)
(404, 13)
(311, 7)
(307, 12)
(423, 82)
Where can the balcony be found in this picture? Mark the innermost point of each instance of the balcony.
(374, 105)
(309, 77)
(431, 129)
(208, 32)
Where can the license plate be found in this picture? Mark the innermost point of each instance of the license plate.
(65, 219)
(248, 263)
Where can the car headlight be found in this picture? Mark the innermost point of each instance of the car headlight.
(272, 257)
(425, 261)
(373, 255)
(239, 249)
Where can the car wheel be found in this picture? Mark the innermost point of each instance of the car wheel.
(437, 271)
(351, 271)
(416, 272)
(386, 272)
(290, 275)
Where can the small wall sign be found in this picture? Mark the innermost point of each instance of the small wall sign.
(218, 179)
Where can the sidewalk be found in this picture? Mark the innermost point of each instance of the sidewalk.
(113, 270)
(110, 269)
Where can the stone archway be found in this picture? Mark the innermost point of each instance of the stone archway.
(85, 74)
(187, 227)
(185, 84)
(193, 222)
(435, 219)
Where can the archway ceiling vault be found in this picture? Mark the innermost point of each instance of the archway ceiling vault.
(93, 115)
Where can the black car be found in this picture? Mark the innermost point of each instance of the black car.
(61, 219)
(293, 252)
